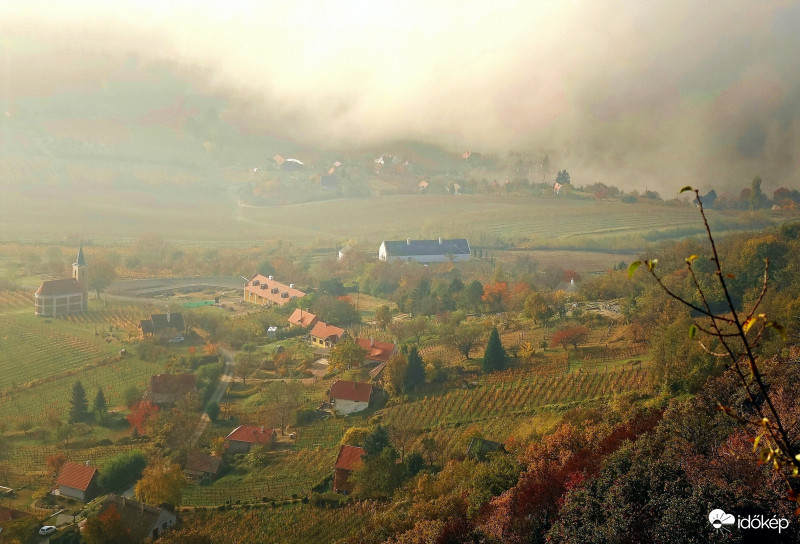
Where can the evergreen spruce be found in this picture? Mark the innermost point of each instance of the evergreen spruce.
(100, 406)
(494, 358)
(79, 406)
(415, 371)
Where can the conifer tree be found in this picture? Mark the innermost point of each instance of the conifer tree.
(415, 371)
(494, 358)
(79, 406)
(100, 406)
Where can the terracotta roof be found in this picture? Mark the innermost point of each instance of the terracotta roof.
(323, 330)
(76, 476)
(278, 159)
(202, 462)
(251, 434)
(349, 457)
(173, 383)
(302, 319)
(272, 289)
(347, 390)
(376, 351)
(67, 286)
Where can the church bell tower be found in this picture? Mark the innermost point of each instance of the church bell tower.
(80, 271)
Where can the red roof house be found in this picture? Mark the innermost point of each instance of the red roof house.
(377, 352)
(244, 437)
(302, 319)
(348, 397)
(78, 481)
(348, 460)
(326, 336)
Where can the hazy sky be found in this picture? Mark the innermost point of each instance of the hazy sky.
(633, 92)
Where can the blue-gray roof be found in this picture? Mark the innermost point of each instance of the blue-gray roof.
(81, 259)
(408, 248)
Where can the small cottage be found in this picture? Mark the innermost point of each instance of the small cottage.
(78, 481)
(349, 397)
(142, 521)
(348, 460)
(244, 437)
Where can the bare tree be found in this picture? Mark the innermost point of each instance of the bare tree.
(737, 335)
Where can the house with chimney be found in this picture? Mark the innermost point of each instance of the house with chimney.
(202, 467)
(302, 318)
(167, 389)
(168, 326)
(141, 521)
(377, 352)
(348, 460)
(244, 437)
(348, 397)
(78, 481)
(267, 291)
(425, 251)
(326, 336)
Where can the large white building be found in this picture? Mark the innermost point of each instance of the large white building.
(425, 251)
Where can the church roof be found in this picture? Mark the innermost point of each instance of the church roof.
(68, 286)
(81, 259)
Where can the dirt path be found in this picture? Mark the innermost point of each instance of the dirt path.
(224, 380)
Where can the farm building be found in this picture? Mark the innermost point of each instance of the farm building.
(345, 251)
(244, 437)
(348, 460)
(349, 397)
(377, 352)
(266, 291)
(326, 336)
(142, 521)
(169, 326)
(302, 318)
(166, 389)
(78, 481)
(425, 251)
(202, 467)
(66, 296)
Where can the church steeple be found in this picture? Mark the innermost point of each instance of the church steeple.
(81, 259)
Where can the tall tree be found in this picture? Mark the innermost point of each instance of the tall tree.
(383, 316)
(415, 371)
(100, 406)
(756, 195)
(376, 441)
(79, 406)
(494, 358)
(102, 274)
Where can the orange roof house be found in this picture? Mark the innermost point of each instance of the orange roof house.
(326, 336)
(267, 291)
(348, 397)
(78, 481)
(302, 319)
(348, 460)
(54, 298)
(377, 352)
(244, 437)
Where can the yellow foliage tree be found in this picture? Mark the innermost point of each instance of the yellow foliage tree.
(161, 482)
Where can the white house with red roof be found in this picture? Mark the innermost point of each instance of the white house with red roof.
(66, 296)
(267, 291)
(348, 460)
(349, 397)
(377, 352)
(326, 336)
(78, 481)
(244, 437)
